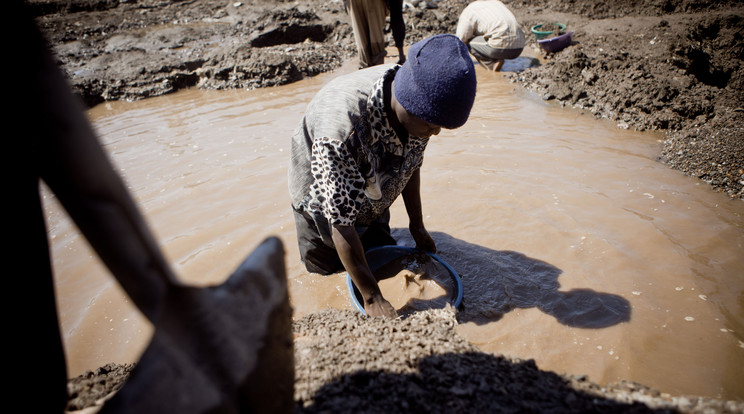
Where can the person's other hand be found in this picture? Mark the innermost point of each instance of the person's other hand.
(423, 240)
(379, 306)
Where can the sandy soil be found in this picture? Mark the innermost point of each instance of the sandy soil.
(669, 65)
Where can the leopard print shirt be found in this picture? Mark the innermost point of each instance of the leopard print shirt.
(357, 176)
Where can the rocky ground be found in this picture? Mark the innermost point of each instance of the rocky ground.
(347, 362)
(668, 65)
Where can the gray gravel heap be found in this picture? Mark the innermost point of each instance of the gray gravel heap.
(347, 362)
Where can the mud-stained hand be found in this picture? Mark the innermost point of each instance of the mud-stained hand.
(423, 239)
(379, 306)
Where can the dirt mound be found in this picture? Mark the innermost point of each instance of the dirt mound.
(347, 362)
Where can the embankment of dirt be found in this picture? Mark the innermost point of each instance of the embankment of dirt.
(672, 66)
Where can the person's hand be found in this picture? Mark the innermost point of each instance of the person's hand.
(379, 306)
(423, 240)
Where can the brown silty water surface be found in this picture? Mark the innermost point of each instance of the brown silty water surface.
(576, 247)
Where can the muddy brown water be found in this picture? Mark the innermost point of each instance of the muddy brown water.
(575, 246)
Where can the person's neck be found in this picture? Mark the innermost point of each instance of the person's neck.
(388, 90)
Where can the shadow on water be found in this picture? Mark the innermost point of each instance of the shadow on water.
(472, 382)
(516, 65)
(519, 64)
(497, 282)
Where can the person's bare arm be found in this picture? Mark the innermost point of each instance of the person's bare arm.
(351, 252)
(412, 199)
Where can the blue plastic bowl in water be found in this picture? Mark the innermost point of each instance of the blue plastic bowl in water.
(379, 256)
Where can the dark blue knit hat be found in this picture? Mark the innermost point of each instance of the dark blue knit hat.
(437, 82)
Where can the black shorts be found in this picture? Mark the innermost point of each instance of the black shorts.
(317, 250)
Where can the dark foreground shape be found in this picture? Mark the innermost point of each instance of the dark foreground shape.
(224, 349)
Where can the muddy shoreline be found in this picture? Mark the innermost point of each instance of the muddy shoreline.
(673, 66)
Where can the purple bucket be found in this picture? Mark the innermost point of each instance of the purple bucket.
(554, 44)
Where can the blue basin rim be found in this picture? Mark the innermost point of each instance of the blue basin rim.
(458, 282)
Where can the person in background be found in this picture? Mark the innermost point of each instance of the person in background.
(225, 348)
(368, 23)
(491, 32)
(360, 145)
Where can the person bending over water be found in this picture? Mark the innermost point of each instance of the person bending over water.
(491, 32)
(360, 145)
